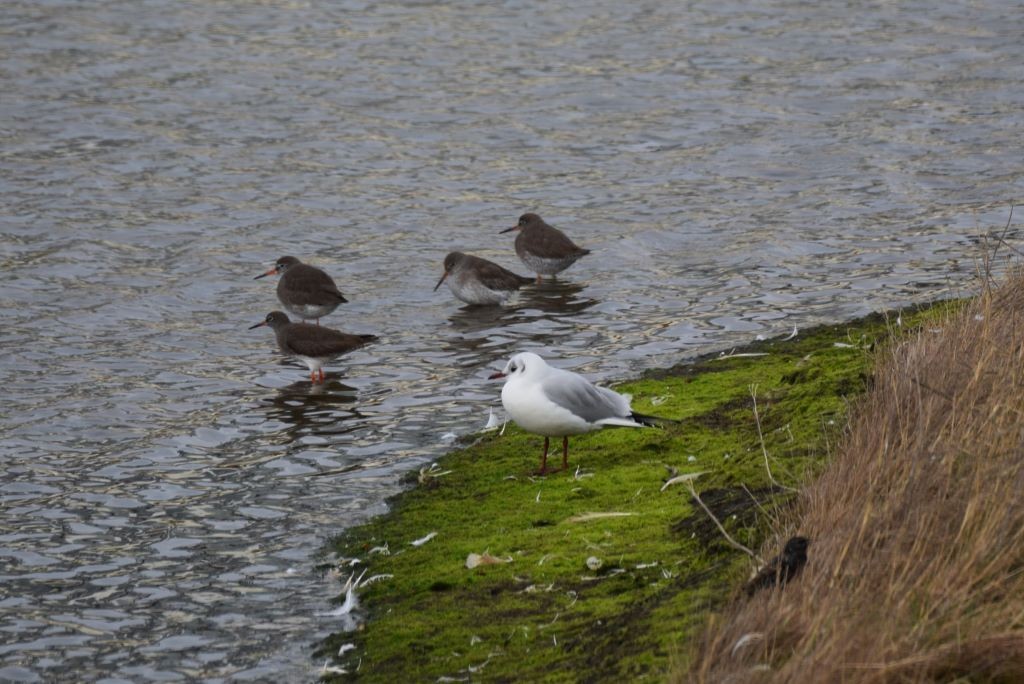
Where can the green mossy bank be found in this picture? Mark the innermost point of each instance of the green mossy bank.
(548, 615)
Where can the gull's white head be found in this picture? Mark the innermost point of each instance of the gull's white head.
(522, 365)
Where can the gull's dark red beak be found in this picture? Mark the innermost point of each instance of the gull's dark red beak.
(495, 376)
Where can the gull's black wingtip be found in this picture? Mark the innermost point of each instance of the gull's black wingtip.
(653, 421)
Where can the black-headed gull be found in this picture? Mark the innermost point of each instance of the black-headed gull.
(557, 403)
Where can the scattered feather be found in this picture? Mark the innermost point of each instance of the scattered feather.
(345, 610)
(643, 566)
(423, 540)
(492, 420)
(746, 640)
(580, 475)
(449, 438)
(474, 640)
(734, 355)
(428, 473)
(843, 345)
(658, 401)
(791, 335)
(332, 669)
(376, 578)
(382, 550)
(587, 517)
(759, 338)
(594, 563)
(475, 559)
(345, 648)
(681, 478)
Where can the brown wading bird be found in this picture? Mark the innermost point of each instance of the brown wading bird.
(479, 281)
(313, 345)
(557, 403)
(306, 291)
(544, 250)
(782, 568)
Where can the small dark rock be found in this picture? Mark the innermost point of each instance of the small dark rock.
(782, 568)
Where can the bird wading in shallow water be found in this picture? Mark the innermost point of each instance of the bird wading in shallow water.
(782, 568)
(479, 281)
(545, 250)
(558, 403)
(306, 291)
(311, 344)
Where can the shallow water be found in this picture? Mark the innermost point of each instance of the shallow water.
(737, 168)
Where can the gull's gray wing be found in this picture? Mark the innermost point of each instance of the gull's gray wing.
(575, 393)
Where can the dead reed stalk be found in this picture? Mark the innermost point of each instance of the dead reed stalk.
(916, 570)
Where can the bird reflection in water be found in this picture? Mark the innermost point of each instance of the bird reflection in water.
(550, 299)
(538, 314)
(323, 409)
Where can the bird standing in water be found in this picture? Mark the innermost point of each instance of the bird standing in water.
(545, 250)
(306, 291)
(479, 281)
(311, 344)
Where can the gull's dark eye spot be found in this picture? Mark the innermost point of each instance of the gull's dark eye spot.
(512, 368)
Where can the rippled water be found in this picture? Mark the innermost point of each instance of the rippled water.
(737, 168)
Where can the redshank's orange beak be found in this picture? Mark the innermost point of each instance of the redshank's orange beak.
(440, 281)
(495, 376)
(258, 325)
(507, 230)
(272, 271)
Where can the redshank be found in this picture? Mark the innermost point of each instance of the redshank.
(545, 250)
(305, 290)
(313, 345)
(479, 281)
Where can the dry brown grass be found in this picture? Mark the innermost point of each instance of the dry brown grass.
(916, 567)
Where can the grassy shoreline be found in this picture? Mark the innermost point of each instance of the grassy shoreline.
(916, 573)
(617, 595)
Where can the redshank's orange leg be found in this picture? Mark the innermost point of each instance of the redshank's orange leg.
(321, 376)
